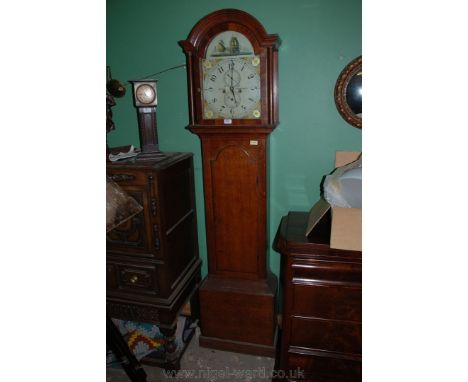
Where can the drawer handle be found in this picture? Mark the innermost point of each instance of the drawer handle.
(134, 279)
(121, 177)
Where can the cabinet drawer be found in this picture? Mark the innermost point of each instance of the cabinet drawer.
(327, 335)
(323, 367)
(133, 278)
(327, 301)
(327, 271)
(125, 177)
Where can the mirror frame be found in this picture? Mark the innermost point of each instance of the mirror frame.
(340, 92)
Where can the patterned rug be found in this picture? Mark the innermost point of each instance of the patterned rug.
(144, 339)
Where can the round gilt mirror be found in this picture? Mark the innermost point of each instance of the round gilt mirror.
(348, 93)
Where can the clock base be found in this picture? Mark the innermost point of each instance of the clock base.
(238, 315)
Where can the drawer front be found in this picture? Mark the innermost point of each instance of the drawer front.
(327, 271)
(322, 367)
(127, 177)
(327, 301)
(327, 335)
(133, 278)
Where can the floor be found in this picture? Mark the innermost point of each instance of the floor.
(202, 364)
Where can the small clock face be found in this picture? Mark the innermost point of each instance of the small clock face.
(145, 94)
(231, 88)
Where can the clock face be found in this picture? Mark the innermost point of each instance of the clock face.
(231, 87)
(145, 94)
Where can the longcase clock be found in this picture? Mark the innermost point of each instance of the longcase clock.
(232, 71)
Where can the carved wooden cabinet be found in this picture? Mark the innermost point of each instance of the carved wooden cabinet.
(153, 267)
(321, 330)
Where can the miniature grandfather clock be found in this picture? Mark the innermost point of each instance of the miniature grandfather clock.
(232, 70)
(145, 99)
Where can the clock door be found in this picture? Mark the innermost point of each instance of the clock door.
(234, 199)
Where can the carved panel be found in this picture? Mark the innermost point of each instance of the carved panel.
(157, 239)
(132, 232)
(122, 177)
(133, 312)
(111, 279)
(153, 201)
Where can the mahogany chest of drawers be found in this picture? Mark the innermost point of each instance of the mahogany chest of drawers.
(321, 324)
(153, 267)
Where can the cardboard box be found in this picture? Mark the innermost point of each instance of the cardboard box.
(346, 226)
(345, 157)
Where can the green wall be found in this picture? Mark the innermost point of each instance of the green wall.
(319, 37)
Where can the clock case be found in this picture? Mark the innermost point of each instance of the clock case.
(238, 297)
(136, 84)
(147, 121)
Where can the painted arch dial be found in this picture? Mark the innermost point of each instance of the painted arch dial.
(231, 88)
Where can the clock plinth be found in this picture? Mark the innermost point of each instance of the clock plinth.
(232, 85)
(239, 315)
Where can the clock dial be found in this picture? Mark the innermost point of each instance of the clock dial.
(145, 94)
(231, 88)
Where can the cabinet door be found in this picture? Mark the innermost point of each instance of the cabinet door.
(235, 205)
(136, 236)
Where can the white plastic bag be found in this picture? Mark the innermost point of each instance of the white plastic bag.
(343, 187)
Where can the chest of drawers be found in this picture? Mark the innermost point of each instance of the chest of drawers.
(321, 328)
(153, 267)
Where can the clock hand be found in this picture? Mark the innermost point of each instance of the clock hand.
(232, 76)
(232, 84)
(233, 94)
